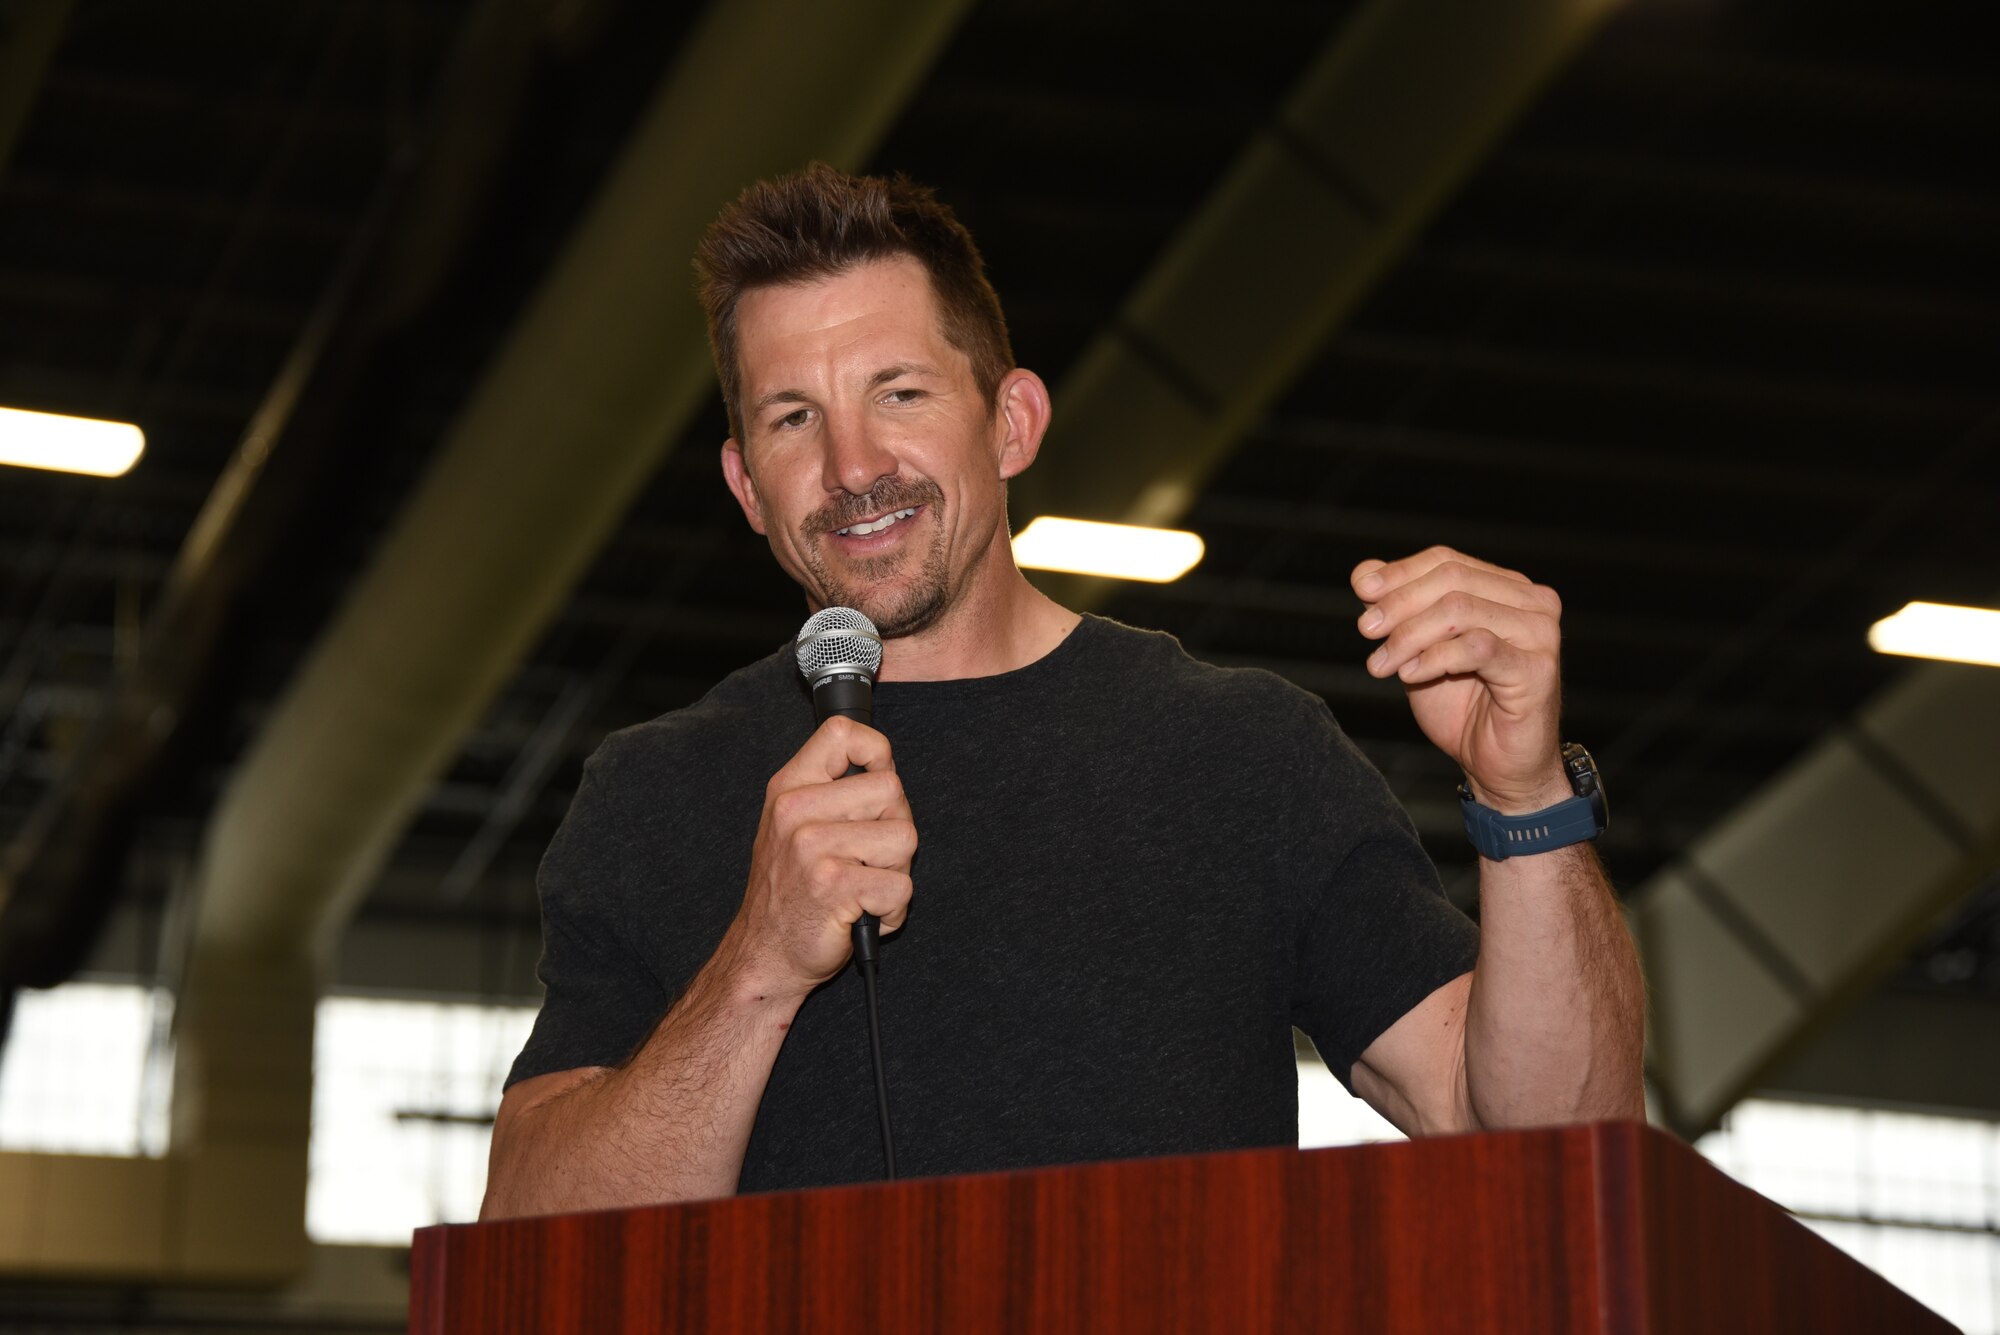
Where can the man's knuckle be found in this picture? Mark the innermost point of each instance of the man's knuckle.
(826, 876)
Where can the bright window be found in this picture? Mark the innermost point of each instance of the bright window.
(1329, 1115)
(74, 1076)
(1917, 1198)
(403, 1097)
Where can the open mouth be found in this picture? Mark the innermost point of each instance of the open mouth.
(877, 525)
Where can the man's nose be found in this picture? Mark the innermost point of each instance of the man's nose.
(855, 460)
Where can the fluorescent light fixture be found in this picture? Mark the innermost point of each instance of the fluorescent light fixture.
(1122, 551)
(69, 444)
(1938, 630)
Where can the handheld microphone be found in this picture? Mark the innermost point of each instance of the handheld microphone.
(839, 652)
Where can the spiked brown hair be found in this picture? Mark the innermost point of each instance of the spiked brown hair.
(820, 222)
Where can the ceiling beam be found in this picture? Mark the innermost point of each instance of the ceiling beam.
(1768, 927)
(1900, 1049)
(1496, 539)
(1836, 296)
(159, 204)
(1826, 200)
(1338, 607)
(1352, 683)
(1387, 121)
(1567, 372)
(1826, 480)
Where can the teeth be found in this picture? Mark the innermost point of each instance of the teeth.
(863, 530)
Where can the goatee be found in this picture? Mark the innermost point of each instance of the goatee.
(866, 585)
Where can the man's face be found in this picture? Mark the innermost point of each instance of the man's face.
(869, 458)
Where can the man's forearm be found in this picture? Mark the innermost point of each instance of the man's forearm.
(1555, 1026)
(671, 1124)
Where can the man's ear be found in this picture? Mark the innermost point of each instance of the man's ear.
(1023, 407)
(737, 474)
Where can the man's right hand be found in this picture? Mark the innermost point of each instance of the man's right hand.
(830, 847)
(672, 1123)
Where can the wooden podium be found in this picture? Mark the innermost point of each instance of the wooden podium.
(1612, 1227)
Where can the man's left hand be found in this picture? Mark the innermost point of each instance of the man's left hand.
(1478, 650)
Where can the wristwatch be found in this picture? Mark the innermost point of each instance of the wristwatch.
(1581, 817)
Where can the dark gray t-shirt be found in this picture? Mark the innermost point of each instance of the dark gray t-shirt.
(1136, 872)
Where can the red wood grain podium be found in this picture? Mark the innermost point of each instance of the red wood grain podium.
(1612, 1227)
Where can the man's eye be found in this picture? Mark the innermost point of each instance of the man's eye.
(904, 395)
(795, 419)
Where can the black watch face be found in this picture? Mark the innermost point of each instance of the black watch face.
(1585, 781)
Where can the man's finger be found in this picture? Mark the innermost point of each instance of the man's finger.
(884, 892)
(848, 889)
(871, 843)
(1401, 605)
(1461, 614)
(877, 795)
(836, 746)
(1373, 578)
(1479, 653)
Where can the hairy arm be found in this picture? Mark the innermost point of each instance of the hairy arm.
(669, 1125)
(1548, 1028)
(1555, 1028)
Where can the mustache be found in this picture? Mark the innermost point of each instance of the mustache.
(893, 493)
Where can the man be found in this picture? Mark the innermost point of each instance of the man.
(1137, 871)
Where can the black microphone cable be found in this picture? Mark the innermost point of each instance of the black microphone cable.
(864, 937)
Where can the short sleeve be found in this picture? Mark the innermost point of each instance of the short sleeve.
(1375, 933)
(600, 1000)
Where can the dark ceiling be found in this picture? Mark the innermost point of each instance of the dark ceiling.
(1705, 343)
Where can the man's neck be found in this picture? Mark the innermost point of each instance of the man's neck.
(1005, 625)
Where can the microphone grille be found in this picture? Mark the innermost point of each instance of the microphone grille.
(838, 639)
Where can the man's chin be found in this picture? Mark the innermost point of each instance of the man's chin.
(898, 599)
(895, 611)
(900, 612)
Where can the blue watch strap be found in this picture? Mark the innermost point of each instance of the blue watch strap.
(1501, 837)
